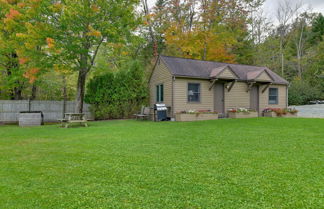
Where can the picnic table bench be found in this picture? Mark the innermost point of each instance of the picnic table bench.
(70, 118)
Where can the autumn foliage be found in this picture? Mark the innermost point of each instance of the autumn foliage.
(207, 30)
(50, 42)
(13, 14)
(197, 44)
(31, 74)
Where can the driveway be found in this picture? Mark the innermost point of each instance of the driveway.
(310, 111)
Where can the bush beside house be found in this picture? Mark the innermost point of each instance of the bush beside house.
(300, 93)
(119, 94)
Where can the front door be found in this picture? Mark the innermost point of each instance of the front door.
(219, 99)
(254, 98)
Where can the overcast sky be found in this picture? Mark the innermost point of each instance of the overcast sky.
(271, 5)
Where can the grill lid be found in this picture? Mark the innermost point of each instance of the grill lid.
(160, 107)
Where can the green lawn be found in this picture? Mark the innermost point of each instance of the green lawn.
(231, 163)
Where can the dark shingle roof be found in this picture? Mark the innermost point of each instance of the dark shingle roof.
(202, 69)
(253, 74)
(216, 71)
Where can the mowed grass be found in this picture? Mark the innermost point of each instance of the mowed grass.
(230, 163)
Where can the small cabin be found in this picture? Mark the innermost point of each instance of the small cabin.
(188, 84)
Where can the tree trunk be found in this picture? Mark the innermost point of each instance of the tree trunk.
(282, 58)
(33, 93)
(299, 64)
(16, 93)
(299, 52)
(204, 57)
(282, 65)
(83, 70)
(80, 90)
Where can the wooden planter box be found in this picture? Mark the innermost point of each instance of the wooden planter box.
(274, 115)
(30, 119)
(290, 115)
(242, 114)
(195, 116)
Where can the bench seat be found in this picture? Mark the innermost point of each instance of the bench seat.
(62, 120)
(76, 121)
(65, 122)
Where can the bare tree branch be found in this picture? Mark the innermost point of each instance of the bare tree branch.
(95, 54)
(285, 12)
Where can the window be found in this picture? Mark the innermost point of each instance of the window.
(159, 93)
(193, 92)
(273, 96)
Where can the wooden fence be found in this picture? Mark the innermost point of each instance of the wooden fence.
(52, 110)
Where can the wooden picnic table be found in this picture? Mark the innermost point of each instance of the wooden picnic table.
(70, 118)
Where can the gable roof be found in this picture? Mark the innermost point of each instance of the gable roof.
(252, 75)
(259, 75)
(219, 71)
(184, 67)
(264, 75)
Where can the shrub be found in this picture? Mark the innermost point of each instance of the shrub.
(119, 94)
(301, 92)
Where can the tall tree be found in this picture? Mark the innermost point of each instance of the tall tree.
(300, 33)
(285, 13)
(317, 29)
(148, 18)
(10, 19)
(73, 31)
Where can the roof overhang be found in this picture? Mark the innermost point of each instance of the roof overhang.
(191, 77)
(223, 73)
(259, 77)
(259, 82)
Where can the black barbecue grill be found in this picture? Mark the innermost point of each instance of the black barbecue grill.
(161, 112)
